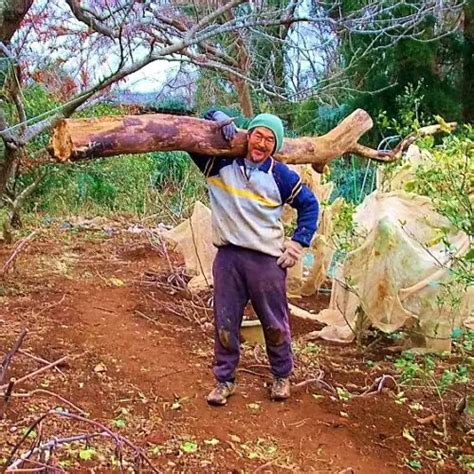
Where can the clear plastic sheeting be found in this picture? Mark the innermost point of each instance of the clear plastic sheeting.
(308, 275)
(194, 241)
(396, 277)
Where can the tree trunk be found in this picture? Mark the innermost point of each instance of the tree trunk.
(13, 12)
(81, 139)
(468, 65)
(245, 100)
(8, 169)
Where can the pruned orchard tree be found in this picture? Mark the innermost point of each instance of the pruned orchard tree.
(79, 50)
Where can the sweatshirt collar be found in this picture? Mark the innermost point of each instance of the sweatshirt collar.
(265, 166)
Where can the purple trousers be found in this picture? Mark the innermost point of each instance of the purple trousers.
(241, 275)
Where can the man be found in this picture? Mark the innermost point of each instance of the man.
(247, 197)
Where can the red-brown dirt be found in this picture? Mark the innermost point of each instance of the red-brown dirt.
(140, 363)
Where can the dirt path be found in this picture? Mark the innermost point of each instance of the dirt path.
(149, 379)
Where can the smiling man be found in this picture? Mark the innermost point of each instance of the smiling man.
(247, 197)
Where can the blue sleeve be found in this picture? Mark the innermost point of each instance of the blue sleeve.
(298, 195)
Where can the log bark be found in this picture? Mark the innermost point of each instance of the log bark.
(82, 139)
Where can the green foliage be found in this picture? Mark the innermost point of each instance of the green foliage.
(171, 105)
(425, 369)
(311, 118)
(87, 454)
(414, 464)
(409, 115)
(189, 447)
(344, 232)
(354, 179)
(390, 69)
(39, 104)
(448, 179)
(158, 183)
(170, 169)
(100, 109)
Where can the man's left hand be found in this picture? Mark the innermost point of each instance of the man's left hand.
(293, 252)
(228, 128)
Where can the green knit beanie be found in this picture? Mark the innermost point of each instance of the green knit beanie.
(273, 123)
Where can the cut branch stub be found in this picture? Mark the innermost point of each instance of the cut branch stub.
(81, 139)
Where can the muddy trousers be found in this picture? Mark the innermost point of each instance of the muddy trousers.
(241, 275)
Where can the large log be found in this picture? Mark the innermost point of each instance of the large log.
(81, 139)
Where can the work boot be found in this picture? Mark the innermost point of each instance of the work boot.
(280, 389)
(221, 393)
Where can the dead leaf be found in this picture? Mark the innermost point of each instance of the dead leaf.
(407, 435)
(100, 367)
(426, 419)
(116, 282)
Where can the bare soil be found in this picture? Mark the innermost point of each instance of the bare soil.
(140, 358)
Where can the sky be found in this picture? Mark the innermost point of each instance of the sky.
(148, 79)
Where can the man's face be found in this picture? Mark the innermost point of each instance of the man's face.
(260, 144)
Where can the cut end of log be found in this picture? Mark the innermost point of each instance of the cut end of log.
(61, 143)
(362, 116)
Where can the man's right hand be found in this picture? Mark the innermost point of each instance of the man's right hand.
(229, 130)
(292, 253)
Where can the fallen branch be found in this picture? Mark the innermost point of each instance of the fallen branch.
(16, 251)
(41, 391)
(50, 306)
(318, 381)
(377, 386)
(117, 438)
(6, 397)
(39, 371)
(252, 372)
(261, 468)
(9, 355)
(40, 359)
(44, 468)
(80, 139)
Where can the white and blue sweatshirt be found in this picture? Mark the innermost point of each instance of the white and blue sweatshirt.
(247, 202)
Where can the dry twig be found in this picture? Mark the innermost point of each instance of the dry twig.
(40, 359)
(16, 251)
(39, 371)
(319, 382)
(41, 391)
(9, 355)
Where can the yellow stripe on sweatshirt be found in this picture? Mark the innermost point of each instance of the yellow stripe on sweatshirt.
(243, 193)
